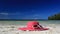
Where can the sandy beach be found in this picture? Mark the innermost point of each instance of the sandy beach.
(12, 29)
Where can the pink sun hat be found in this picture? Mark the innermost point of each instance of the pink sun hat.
(33, 26)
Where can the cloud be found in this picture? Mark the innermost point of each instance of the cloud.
(17, 13)
(33, 16)
(36, 16)
(3, 13)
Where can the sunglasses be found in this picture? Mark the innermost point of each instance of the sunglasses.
(37, 26)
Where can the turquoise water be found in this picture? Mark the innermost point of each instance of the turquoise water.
(24, 22)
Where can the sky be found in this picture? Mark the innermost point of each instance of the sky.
(28, 9)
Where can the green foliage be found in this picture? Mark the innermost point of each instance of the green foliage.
(54, 17)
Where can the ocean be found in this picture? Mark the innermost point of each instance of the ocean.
(25, 22)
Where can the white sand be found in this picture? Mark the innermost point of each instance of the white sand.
(12, 29)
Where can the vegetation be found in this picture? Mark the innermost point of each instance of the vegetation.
(54, 17)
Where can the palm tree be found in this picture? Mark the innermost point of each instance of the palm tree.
(54, 17)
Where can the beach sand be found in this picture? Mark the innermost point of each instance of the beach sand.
(13, 29)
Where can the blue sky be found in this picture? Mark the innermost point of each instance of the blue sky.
(28, 9)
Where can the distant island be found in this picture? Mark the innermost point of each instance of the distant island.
(54, 17)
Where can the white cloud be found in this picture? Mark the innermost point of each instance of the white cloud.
(33, 16)
(36, 16)
(10, 15)
(4, 13)
(17, 13)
